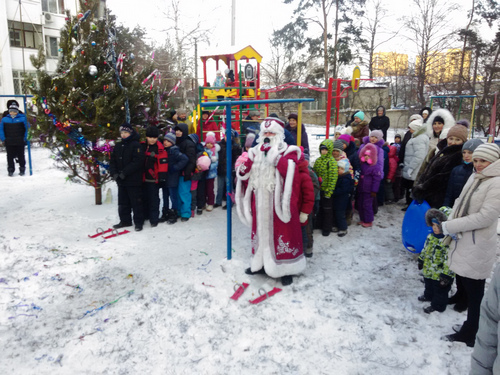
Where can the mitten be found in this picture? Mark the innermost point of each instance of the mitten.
(388, 180)
(420, 264)
(241, 159)
(445, 280)
(152, 154)
(303, 217)
(122, 176)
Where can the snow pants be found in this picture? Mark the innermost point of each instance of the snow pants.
(13, 153)
(151, 191)
(184, 197)
(130, 200)
(365, 207)
(436, 294)
(209, 191)
(339, 205)
(169, 193)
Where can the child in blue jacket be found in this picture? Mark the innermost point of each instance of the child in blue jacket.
(14, 132)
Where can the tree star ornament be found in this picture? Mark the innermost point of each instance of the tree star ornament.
(93, 70)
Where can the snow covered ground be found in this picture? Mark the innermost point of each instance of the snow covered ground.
(158, 301)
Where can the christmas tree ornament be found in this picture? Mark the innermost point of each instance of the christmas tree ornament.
(83, 52)
(80, 15)
(93, 70)
(122, 108)
(93, 43)
(108, 125)
(132, 56)
(60, 49)
(93, 26)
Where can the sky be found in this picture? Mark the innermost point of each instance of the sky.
(255, 21)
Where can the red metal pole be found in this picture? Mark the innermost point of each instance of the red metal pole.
(329, 107)
(493, 119)
(337, 102)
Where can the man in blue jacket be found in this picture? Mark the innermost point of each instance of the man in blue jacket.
(14, 132)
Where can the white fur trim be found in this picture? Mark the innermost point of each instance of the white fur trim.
(294, 148)
(242, 207)
(448, 118)
(209, 133)
(282, 203)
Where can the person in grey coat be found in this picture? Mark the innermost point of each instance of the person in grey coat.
(485, 355)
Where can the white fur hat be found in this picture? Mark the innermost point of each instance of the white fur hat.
(347, 130)
(273, 125)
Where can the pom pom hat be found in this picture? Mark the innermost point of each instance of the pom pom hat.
(458, 131)
(377, 133)
(126, 127)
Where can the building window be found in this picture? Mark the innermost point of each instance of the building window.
(25, 35)
(53, 6)
(52, 47)
(20, 87)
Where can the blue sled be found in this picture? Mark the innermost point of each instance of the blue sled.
(415, 230)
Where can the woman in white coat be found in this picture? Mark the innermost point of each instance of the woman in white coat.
(472, 226)
(415, 152)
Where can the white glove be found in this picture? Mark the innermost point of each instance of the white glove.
(303, 217)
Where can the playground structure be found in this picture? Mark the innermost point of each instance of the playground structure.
(229, 181)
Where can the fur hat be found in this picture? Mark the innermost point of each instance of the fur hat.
(275, 117)
(458, 131)
(293, 115)
(273, 125)
(171, 138)
(344, 164)
(464, 122)
(126, 127)
(441, 115)
(416, 117)
(338, 145)
(435, 215)
(152, 132)
(249, 140)
(472, 144)
(360, 115)
(368, 154)
(14, 107)
(487, 151)
(377, 133)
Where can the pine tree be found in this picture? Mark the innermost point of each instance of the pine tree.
(98, 85)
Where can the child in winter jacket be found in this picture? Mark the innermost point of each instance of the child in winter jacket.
(14, 132)
(433, 261)
(188, 148)
(340, 197)
(326, 169)
(371, 156)
(176, 163)
(198, 181)
(391, 174)
(212, 148)
(221, 169)
(126, 166)
(461, 173)
(155, 173)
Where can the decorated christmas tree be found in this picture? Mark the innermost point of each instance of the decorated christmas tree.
(105, 77)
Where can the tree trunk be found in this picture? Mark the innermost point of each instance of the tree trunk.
(98, 195)
(98, 185)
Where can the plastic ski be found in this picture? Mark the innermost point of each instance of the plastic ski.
(116, 233)
(100, 232)
(264, 295)
(238, 292)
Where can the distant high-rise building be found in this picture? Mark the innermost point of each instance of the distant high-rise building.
(444, 66)
(388, 64)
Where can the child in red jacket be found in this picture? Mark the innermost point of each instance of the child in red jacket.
(306, 201)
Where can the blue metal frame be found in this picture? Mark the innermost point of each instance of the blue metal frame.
(28, 143)
(229, 182)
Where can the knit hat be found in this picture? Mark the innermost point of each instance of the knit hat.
(194, 137)
(126, 127)
(345, 138)
(487, 151)
(397, 136)
(152, 132)
(171, 138)
(339, 128)
(472, 144)
(415, 125)
(344, 164)
(205, 113)
(377, 133)
(360, 115)
(338, 145)
(249, 140)
(210, 138)
(438, 119)
(464, 122)
(14, 107)
(293, 115)
(254, 113)
(458, 131)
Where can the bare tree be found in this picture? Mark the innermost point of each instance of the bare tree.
(428, 33)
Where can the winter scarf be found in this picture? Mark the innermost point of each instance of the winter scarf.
(326, 168)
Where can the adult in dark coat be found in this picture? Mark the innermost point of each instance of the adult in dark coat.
(292, 127)
(14, 132)
(380, 122)
(188, 148)
(433, 183)
(126, 167)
